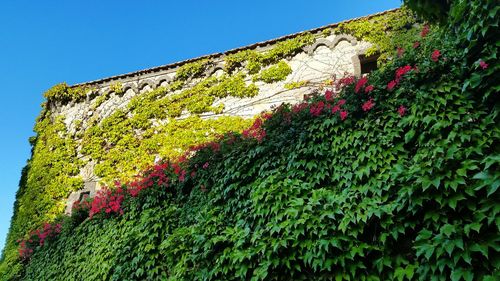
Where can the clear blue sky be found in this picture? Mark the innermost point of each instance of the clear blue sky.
(47, 42)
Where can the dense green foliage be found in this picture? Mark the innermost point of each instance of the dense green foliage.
(274, 73)
(63, 93)
(254, 60)
(375, 30)
(432, 10)
(375, 197)
(385, 194)
(47, 179)
(191, 70)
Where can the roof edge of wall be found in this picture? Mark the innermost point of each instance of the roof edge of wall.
(219, 55)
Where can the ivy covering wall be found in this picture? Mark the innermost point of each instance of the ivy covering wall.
(396, 178)
(128, 141)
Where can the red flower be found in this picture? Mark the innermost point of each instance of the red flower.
(343, 115)
(342, 82)
(335, 108)
(267, 115)
(483, 65)
(435, 55)
(177, 169)
(424, 31)
(133, 192)
(259, 135)
(416, 44)
(369, 88)
(360, 84)
(341, 102)
(402, 111)
(182, 177)
(391, 85)
(317, 108)
(215, 146)
(402, 71)
(245, 133)
(299, 107)
(328, 95)
(401, 51)
(368, 105)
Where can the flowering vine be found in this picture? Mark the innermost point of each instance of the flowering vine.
(344, 98)
(37, 238)
(435, 55)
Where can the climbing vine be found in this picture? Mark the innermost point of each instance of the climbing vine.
(256, 60)
(163, 122)
(274, 73)
(393, 177)
(63, 93)
(116, 88)
(376, 29)
(191, 70)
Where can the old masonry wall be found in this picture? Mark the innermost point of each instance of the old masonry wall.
(327, 56)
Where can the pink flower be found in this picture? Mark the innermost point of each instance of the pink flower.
(335, 108)
(401, 51)
(133, 192)
(483, 65)
(360, 84)
(177, 169)
(260, 135)
(317, 108)
(328, 95)
(215, 146)
(425, 31)
(343, 115)
(435, 55)
(182, 177)
(245, 133)
(369, 88)
(345, 81)
(299, 107)
(341, 102)
(368, 105)
(416, 44)
(205, 166)
(267, 115)
(402, 111)
(402, 71)
(391, 85)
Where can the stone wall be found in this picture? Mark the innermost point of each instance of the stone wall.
(329, 56)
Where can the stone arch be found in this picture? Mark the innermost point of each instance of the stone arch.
(330, 44)
(344, 37)
(319, 42)
(146, 82)
(160, 80)
(215, 68)
(129, 86)
(92, 93)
